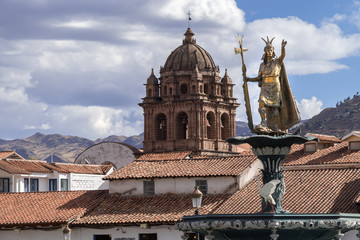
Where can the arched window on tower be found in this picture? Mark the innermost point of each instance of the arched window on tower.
(210, 125)
(206, 88)
(150, 93)
(161, 127)
(225, 126)
(182, 125)
(165, 90)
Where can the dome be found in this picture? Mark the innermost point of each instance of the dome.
(188, 56)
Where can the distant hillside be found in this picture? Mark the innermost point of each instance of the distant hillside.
(242, 129)
(58, 148)
(338, 121)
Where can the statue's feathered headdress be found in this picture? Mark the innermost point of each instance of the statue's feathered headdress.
(268, 43)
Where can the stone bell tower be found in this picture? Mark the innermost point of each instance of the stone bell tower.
(190, 107)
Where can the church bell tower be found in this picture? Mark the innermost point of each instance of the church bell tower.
(189, 107)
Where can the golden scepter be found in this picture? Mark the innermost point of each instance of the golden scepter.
(241, 50)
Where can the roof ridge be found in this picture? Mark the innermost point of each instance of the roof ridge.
(26, 160)
(81, 164)
(322, 166)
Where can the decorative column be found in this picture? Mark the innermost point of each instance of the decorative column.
(271, 151)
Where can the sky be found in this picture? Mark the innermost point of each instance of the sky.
(79, 67)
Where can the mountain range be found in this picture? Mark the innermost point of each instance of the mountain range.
(337, 121)
(60, 148)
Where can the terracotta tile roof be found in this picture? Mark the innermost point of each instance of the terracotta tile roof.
(165, 156)
(9, 168)
(31, 165)
(168, 208)
(198, 167)
(307, 191)
(46, 208)
(325, 138)
(336, 154)
(16, 166)
(9, 154)
(83, 168)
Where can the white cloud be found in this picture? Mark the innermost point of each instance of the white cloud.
(94, 121)
(319, 46)
(44, 126)
(13, 96)
(220, 12)
(85, 77)
(78, 24)
(309, 107)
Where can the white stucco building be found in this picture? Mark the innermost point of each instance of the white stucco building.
(20, 175)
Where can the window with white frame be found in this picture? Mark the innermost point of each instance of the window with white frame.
(64, 185)
(202, 184)
(4, 184)
(149, 188)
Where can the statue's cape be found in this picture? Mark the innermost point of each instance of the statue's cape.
(289, 113)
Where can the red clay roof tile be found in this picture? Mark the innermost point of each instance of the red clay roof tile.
(164, 156)
(31, 165)
(83, 168)
(168, 208)
(46, 208)
(325, 138)
(10, 154)
(307, 191)
(9, 168)
(207, 166)
(336, 154)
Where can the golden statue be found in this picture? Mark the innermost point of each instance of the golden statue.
(277, 106)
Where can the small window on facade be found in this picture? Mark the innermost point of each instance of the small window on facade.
(4, 184)
(102, 237)
(149, 188)
(310, 147)
(194, 236)
(64, 185)
(165, 90)
(147, 236)
(26, 185)
(354, 145)
(52, 185)
(184, 89)
(202, 184)
(34, 185)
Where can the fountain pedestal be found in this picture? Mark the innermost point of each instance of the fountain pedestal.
(271, 151)
(273, 222)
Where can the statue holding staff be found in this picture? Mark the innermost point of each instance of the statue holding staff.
(277, 106)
